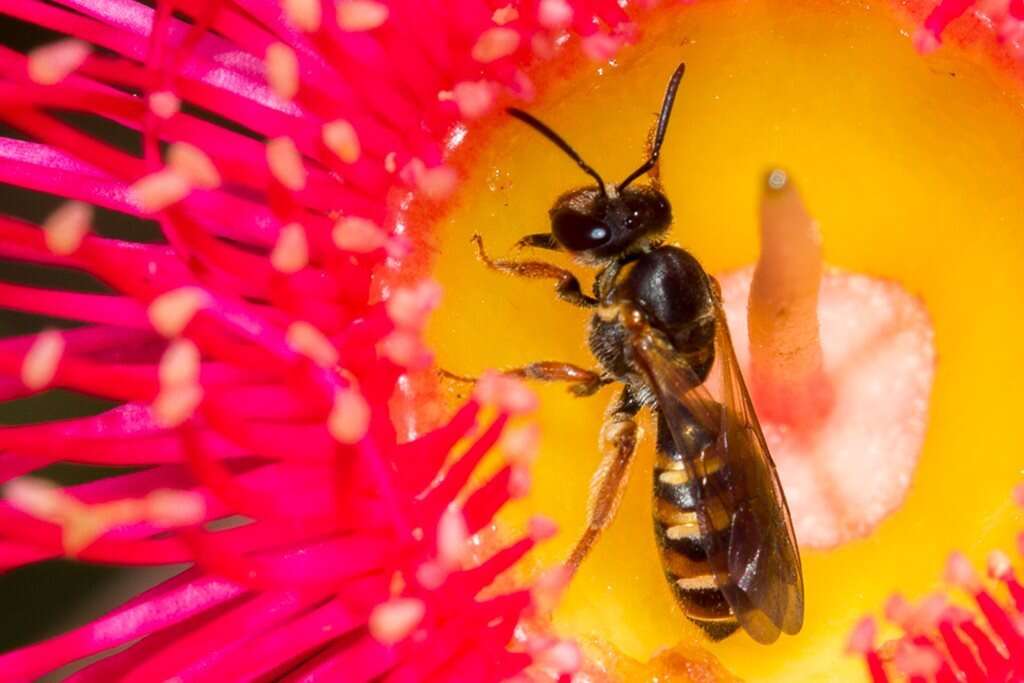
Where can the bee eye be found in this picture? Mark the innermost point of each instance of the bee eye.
(578, 232)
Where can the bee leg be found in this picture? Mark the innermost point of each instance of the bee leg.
(540, 240)
(618, 442)
(567, 286)
(582, 382)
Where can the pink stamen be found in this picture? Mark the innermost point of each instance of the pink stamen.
(291, 251)
(41, 362)
(494, 44)
(393, 621)
(180, 364)
(474, 98)
(406, 349)
(435, 183)
(506, 393)
(600, 47)
(452, 539)
(35, 497)
(410, 307)
(1009, 578)
(916, 661)
(350, 416)
(194, 165)
(554, 14)
(549, 587)
(521, 444)
(157, 191)
(306, 339)
(175, 405)
(959, 572)
(542, 528)
(999, 566)
(361, 15)
(358, 235)
(303, 14)
(171, 313)
(285, 163)
(164, 104)
(67, 227)
(341, 137)
(282, 70)
(170, 508)
(505, 15)
(51, 64)
(563, 657)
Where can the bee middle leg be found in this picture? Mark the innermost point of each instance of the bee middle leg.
(567, 286)
(618, 443)
(582, 382)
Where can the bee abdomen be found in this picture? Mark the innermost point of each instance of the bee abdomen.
(683, 558)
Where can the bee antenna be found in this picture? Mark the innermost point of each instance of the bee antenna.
(554, 137)
(659, 134)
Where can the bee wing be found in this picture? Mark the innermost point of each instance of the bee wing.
(763, 559)
(746, 531)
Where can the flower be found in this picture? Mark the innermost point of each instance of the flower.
(291, 156)
(254, 348)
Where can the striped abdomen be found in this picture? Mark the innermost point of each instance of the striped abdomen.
(679, 535)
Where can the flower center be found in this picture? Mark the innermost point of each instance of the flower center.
(903, 160)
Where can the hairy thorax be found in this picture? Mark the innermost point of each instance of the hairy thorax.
(673, 292)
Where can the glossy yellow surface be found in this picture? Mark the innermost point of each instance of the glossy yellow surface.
(912, 165)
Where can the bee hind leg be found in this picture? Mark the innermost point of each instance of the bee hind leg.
(618, 443)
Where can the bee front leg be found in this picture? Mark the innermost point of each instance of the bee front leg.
(567, 286)
(540, 240)
(582, 382)
(618, 443)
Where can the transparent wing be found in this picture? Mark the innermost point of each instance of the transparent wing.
(746, 531)
(764, 560)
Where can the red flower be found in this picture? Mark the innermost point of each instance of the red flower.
(253, 351)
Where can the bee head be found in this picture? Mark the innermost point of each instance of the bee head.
(604, 221)
(597, 226)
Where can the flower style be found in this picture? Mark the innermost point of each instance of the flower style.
(254, 351)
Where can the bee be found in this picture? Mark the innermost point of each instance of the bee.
(721, 521)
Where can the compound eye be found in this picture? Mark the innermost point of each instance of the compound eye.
(579, 232)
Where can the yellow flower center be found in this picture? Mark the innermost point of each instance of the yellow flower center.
(911, 165)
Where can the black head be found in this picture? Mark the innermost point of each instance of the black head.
(603, 222)
(605, 225)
